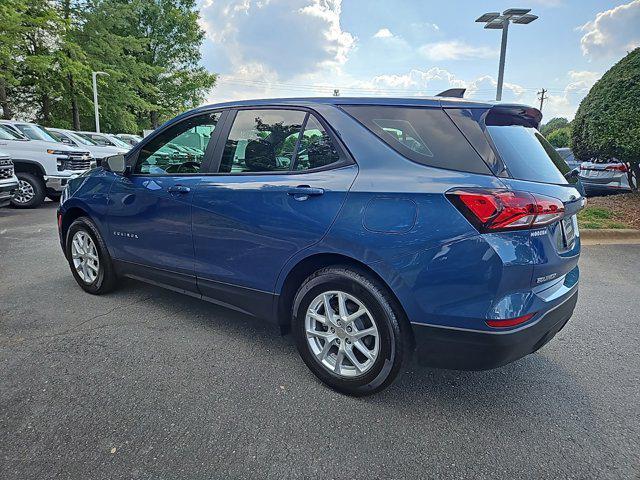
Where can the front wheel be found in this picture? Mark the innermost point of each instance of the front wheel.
(89, 258)
(30, 192)
(349, 331)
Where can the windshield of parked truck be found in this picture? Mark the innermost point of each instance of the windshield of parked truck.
(82, 140)
(119, 143)
(6, 134)
(35, 132)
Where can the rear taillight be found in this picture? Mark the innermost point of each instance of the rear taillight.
(510, 322)
(499, 210)
(621, 167)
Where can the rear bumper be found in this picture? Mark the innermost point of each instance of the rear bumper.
(618, 184)
(461, 349)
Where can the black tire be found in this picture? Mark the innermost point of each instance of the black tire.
(36, 184)
(55, 197)
(394, 330)
(106, 279)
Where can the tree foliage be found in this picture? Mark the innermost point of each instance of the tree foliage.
(553, 125)
(149, 48)
(560, 137)
(607, 123)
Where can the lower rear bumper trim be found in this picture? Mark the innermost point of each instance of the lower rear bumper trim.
(461, 349)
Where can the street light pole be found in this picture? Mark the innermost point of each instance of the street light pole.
(94, 76)
(503, 53)
(496, 21)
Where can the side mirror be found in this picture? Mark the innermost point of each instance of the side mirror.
(116, 164)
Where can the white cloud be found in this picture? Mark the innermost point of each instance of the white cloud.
(564, 103)
(424, 26)
(612, 32)
(290, 37)
(455, 50)
(383, 33)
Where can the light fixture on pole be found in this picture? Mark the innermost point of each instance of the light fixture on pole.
(495, 21)
(94, 76)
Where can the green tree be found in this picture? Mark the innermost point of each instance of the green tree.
(11, 19)
(553, 125)
(151, 49)
(560, 137)
(607, 123)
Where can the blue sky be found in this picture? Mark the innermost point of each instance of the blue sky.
(267, 48)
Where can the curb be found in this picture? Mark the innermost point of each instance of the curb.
(590, 236)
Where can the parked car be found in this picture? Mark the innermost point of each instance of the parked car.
(105, 139)
(42, 165)
(365, 226)
(129, 138)
(8, 180)
(98, 152)
(604, 176)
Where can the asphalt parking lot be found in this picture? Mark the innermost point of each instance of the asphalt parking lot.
(146, 383)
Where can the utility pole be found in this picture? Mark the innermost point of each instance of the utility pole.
(542, 97)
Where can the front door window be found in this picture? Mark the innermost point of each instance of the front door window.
(180, 149)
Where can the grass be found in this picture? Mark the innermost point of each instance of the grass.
(598, 218)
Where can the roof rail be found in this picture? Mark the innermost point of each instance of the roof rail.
(453, 92)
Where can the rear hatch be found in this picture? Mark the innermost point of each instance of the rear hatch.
(538, 181)
(533, 165)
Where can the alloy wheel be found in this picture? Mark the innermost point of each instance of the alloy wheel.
(85, 257)
(342, 334)
(24, 193)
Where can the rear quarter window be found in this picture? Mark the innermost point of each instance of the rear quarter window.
(424, 135)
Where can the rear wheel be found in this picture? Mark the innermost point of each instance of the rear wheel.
(348, 332)
(89, 258)
(30, 192)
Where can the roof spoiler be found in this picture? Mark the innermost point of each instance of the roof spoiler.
(513, 114)
(453, 92)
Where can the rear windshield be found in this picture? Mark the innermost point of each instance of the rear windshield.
(528, 155)
(424, 135)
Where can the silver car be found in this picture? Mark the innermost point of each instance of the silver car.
(604, 176)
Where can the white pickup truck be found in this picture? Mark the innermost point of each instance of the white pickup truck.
(42, 165)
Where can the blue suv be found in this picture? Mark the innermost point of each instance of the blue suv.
(367, 227)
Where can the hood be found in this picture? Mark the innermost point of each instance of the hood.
(56, 146)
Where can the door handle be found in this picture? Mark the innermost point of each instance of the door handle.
(303, 192)
(178, 189)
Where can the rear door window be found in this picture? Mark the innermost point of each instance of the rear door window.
(316, 149)
(262, 141)
(528, 155)
(424, 135)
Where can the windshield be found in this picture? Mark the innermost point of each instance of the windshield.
(119, 143)
(82, 140)
(35, 132)
(528, 155)
(6, 134)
